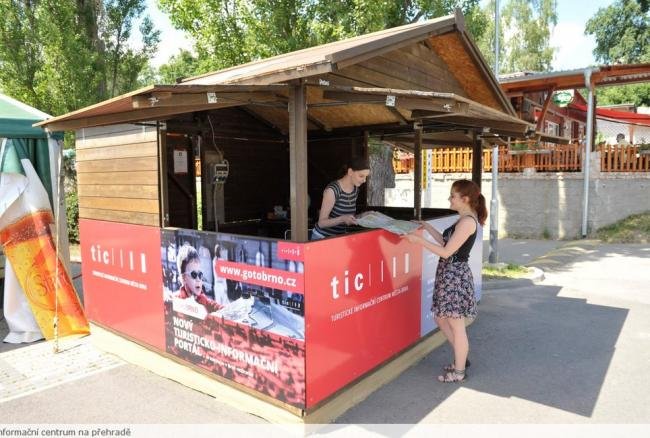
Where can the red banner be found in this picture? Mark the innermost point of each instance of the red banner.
(122, 279)
(269, 363)
(291, 251)
(261, 276)
(363, 306)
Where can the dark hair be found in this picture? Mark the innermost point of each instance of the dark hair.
(358, 163)
(186, 254)
(468, 188)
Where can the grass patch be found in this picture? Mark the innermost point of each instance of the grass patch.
(508, 271)
(75, 251)
(633, 229)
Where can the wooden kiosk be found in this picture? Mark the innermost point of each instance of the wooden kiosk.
(301, 322)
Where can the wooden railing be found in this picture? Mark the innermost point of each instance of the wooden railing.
(403, 165)
(543, 158)
(546, 158)
(617, 158)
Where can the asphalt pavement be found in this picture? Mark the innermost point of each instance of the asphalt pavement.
(573, 348)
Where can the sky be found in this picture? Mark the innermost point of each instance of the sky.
(574, 47)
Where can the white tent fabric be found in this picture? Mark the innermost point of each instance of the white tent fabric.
(18, 314)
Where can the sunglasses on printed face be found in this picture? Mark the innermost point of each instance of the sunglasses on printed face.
(195, 275)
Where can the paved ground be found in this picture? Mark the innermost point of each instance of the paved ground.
(572, 349)
(520, 251)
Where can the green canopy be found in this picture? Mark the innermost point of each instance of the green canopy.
(24, 140)
(16, 119)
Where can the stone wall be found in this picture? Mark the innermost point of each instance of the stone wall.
(536, 205)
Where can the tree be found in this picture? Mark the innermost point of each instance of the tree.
(181, 65)
(60, 55)
(124, 63)
(622, 33)
(232, 32)
(524, 35)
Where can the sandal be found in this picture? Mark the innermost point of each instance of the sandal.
(451, 367)
(456, 376)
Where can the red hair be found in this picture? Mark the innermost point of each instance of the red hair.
(465, 187)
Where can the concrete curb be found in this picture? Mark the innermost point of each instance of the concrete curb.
(535, 276)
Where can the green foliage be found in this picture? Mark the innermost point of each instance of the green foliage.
(622, 32)
(504, 272)
(638, 94)
(181, 65)
(69, 175)
(61, 55)
(72, 212)
(633, 229)
(232, 32)
(524, 35)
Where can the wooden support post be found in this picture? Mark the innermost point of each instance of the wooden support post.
(542, 115)
(298, 161)
(161, 127)
(365, 153)
(417, 171)
(477, 159)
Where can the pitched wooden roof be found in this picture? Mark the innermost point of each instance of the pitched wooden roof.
(435, 56)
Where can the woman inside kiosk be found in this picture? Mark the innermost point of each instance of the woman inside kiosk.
(340, 200)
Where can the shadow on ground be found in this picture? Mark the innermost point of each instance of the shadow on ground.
(526, 343)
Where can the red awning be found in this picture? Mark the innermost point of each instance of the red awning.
(623, 116)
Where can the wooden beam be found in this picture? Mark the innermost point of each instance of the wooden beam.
(162, 175)
(428, 141)
(320, 125)
(287, 74)
(542, 116)
(432, 104)
(133, 116)
(298, 161)
(350, 96)
(417, 172)
(477, 159)
(168, 99)
(496, 126)
(400, 117)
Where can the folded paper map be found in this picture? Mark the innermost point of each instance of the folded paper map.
(374, 219)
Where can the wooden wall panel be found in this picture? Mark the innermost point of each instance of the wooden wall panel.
(127, 217)
(258, 157)
(143, 177)
(119, 191)
(117, 174)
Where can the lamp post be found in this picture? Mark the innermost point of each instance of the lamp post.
(493, 255)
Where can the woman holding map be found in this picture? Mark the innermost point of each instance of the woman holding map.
(453, 295)
(340, 200)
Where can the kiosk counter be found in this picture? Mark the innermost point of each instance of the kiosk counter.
(296, 322)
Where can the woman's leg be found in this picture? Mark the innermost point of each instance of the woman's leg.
(443, 325)
(460, 343)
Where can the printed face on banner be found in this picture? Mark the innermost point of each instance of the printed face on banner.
(235, 306)
(121, 278)
(364, 306)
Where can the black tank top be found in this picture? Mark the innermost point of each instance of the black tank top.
(462, 254)
(344, 203)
